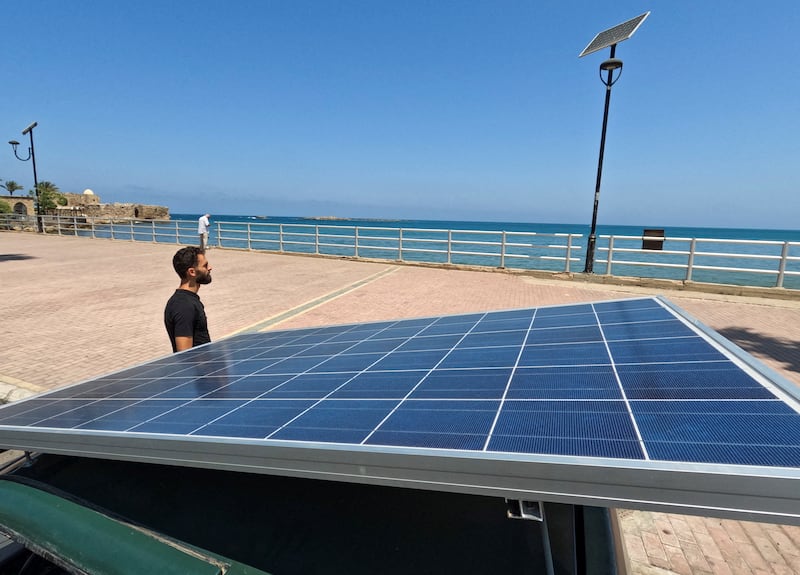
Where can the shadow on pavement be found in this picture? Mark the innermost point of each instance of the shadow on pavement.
(15, 257)
(786, 351)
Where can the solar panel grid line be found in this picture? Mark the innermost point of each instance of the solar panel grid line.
(394, 410)
(508, 384)
(624, 395)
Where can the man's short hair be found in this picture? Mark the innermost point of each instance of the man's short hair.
(184, 259)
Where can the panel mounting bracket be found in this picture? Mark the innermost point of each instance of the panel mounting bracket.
(519, 509)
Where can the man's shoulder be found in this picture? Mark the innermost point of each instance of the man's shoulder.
(181, 296)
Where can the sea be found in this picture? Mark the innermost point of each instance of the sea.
(721, 253)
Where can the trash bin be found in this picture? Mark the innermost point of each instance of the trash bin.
(657, 241)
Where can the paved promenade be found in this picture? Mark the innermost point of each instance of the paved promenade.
(75, 308)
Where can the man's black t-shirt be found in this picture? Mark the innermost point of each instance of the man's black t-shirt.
(185, 316)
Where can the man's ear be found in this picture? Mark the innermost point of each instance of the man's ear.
(191, 272)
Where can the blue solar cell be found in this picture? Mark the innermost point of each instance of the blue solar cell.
(741, 428)
(562, 383)
(494, 338)
(346, 362)
(409, 360)
(326, 349)
(447, 329)
(564, 335)
(493, 324)
(481, 357)
(448, 417)
(439, 440)
(377, 345)
(766, 455)
(564, 310)
(564, 354)
(627, 305)
(667, 350)
(574, 320)
(518, 419)
(654, 329)
(464, 384)
(380, 385)
(582, 447)
(711, 380)
(746, 393)
(431, 342)
(618, 316)
(718, 407)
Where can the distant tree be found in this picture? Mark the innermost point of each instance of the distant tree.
(49, 196)
(4, 207)
(11, 186)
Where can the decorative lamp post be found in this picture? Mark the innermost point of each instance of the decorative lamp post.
(610, 37)
(32, 158)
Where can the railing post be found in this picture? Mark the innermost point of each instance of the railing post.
(690, 263)
(400, 245)
(503, 250)
(133, 239)
(355, 239)
(249, 237)
(94, 232)
(449, 245)
(569, 254)
(316, 240)
(153, 225)
(782, 267)
(610, 258)
(280, 238)
(75, 225)
(177, 233)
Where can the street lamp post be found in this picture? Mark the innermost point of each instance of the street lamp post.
(610, 37)
(32, 158)
(609, 65)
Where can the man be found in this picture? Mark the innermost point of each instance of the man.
(184, 315)
(202, 230)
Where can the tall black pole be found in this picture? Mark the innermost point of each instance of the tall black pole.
(589, 267)
(39, 224)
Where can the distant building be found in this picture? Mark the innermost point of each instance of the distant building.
(88, 204)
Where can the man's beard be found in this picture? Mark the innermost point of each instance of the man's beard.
(204, 279)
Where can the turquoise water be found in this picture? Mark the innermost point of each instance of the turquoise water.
(429, 240)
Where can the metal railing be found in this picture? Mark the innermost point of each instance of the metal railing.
(707, 260)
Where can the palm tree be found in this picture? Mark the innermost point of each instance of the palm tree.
(11, 186)
(50, 196)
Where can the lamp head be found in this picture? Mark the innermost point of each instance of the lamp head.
(14, 144)
(611, 64)
(29, 128)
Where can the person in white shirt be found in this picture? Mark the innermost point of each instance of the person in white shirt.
(202, 230)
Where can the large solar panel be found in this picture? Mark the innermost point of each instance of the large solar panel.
(626, 402)
(614, 35)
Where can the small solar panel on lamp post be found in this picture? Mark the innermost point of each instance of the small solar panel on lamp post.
(32, 157)
(610, 37)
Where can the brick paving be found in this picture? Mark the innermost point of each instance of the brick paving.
(76, 308)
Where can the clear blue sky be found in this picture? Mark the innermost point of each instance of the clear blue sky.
(457, 109)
